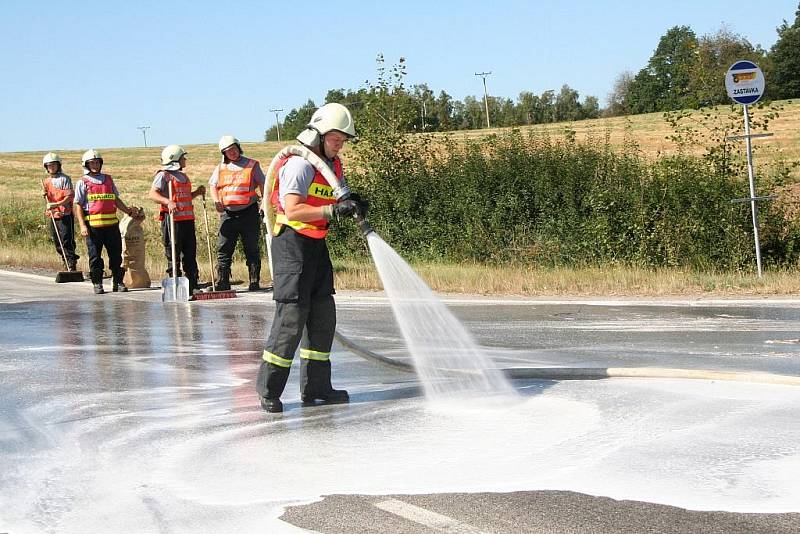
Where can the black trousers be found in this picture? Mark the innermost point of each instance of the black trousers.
(64, 229)
(107, 237)
(303, 291)
(243, 224)
(185, 248)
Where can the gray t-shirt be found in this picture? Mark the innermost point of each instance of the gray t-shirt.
(61, 181)
(80, 190)
(296, 176)
(238, 165)
(160, 181)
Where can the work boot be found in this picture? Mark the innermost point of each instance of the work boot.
(72, 266)
(271, 405)
(224, 276)
(333, 396)
(192, 282)
(315, 384)
(255, 276)
(118, 286)
(97, 282)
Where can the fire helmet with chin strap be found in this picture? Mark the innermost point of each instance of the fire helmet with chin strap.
(330, 117)
(89, 155)
(51, 157)
(171, 157)
(227, 141)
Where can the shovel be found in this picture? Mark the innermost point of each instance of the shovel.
(175, 289)
(63, 276)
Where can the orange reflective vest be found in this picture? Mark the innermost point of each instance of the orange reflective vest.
(102, 205)
(182, 196)
(55, 194)
(320, 193)
(236, 188)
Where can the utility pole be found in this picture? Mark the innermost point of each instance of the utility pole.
(424, 112)
(277, 122)
(144, 133)
(485, 94)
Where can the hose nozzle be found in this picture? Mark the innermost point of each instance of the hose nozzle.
(363, 225)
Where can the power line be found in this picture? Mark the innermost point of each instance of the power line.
(485, 94)
(277, 122)
(144, 133)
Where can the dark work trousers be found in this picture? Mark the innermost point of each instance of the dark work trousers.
(185, 248)
(65, 226)
(108, 237)
(234, 224)
(303, 291)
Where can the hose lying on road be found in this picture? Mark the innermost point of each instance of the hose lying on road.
(592, 373)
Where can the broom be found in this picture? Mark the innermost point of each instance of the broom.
(213, 294)
(62, 276)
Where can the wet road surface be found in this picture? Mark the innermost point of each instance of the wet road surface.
(122, 414)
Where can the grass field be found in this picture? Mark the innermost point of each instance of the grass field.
(133, 169)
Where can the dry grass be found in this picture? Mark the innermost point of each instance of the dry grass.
(133, 169)
(650, 132)
(606, 281)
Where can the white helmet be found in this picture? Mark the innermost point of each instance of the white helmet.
(51, 157)
(90, 155)
(329, 117)
(227, 141)
(171, 157)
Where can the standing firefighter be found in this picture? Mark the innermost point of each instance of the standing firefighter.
(59, 194)
(302, 270)
(235, 187)
(179, 205)
(96, 203)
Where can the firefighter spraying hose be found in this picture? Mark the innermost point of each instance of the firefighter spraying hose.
(305, 191)
(315, 380)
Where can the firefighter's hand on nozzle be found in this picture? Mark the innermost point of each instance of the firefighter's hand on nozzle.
(343, 208)
(362, 204)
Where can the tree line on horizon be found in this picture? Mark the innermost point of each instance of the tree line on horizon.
(684, 72)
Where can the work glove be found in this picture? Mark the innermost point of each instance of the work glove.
(343, 208)
(362, 204)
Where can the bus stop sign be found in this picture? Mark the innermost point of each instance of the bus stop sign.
(744, 82)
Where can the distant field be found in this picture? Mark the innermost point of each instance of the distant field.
(133, 169)
(650, 131)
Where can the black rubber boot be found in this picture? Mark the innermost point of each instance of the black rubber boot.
(255, 276)
(72, 266)
(315, 384)
(192, 282)
(270, 383)
(271, 405)
(224, 276)
(118, 286)
(97, 282)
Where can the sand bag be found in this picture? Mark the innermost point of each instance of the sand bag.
(133, 250)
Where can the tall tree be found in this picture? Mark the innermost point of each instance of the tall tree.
(568, 107)
(618, 97)
(784, 76)
(590, 108)
(664, 84)
(715, 54)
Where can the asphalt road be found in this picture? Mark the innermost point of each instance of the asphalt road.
(120, 413)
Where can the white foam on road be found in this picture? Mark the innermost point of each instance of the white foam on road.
(173, 463)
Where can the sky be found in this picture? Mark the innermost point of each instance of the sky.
(87, 74)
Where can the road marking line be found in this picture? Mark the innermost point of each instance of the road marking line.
(426, 517)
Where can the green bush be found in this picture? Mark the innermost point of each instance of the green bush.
(532, 200)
